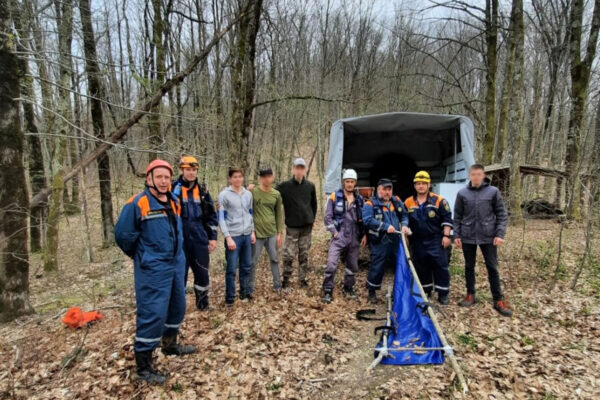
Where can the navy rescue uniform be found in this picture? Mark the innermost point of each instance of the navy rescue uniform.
(150, 232)
(427, 222)
(199, 227)
(377, 217)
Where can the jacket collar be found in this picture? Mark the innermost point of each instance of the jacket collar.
(486, 182)
(231, 189)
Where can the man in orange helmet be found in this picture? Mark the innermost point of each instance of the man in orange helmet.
(199, 226)
(149, 230)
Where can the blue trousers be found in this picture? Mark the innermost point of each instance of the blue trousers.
(243, 255)
(160, 299)
(431, 263)
(196, 256)
(383, 255)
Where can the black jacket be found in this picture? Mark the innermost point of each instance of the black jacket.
(479, 214)
(299, 202)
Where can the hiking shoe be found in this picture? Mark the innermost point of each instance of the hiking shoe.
(229, 303)
(443, 299)
(503, 308)
(303, 283)
(327, 297)
(285, 283)
(372, 296)
(171, 347)
(468, 301)
(145, 371)
(350, 293)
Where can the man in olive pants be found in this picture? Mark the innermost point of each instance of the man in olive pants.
(300, 209)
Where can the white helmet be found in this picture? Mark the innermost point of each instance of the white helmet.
(349, 174)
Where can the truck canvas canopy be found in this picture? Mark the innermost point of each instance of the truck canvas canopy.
(397, 145)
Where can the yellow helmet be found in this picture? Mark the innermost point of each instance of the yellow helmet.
(188, 162)
(422, 176)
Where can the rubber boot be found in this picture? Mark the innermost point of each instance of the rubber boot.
(201, 299)
(145, 371)
(171, 347)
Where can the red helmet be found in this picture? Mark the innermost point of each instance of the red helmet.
(158, 164)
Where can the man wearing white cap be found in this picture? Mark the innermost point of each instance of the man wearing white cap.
(343, 219)
(300, 209)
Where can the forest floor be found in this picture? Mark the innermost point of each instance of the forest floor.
(294, 347)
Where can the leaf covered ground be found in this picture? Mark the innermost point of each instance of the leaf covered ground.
(291, 346)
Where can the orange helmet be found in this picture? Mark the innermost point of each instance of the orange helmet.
(158, 164)
(188, 162)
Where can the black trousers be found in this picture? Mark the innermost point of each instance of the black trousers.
(490, 256)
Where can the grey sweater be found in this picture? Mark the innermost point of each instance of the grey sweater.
(235, 212)
(479, 214)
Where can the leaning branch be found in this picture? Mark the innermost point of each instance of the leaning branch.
(122, 129)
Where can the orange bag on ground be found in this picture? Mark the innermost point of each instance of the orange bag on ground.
(75, 318)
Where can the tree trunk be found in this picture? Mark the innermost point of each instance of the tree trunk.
(244, 83)
(580, 78)
(64, 11)
(491, 38)
(37, 175)
(518, 128)
(14, 198)
(158, 66)
(96, 91)
(507, 91)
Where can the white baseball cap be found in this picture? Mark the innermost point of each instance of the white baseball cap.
(349, 174)
(299, 162)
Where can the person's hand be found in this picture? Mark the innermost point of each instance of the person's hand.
(458, 243)
(212, 245)
(335, 234)
(251, 187)
(406, 230)
(363, 241)
(498, 241)
(391, 229)
(252, 238)
(279, 240)
(231, 243)
(446, 242)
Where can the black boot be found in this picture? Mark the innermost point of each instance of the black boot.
(350, 293)
(372, 296)
(327, 297)
(145, 372)
(201, 299)
(171, 347)
(285, 283)
(443, 299)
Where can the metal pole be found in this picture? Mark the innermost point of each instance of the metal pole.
(448, 353)
(383, 351)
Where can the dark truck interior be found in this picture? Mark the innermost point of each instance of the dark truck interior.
(397, 149)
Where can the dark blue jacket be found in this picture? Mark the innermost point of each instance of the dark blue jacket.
(479, 214)
(377, 217)
(427, 220)
(145, 233)
(197, 212)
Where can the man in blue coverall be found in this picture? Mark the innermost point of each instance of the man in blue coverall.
(199, 227)
(149, 230)
(430, 221)
(383, 217)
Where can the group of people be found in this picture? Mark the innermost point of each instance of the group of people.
(172, 225)
(480, 220)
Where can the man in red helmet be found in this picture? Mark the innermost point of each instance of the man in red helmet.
(149, 230)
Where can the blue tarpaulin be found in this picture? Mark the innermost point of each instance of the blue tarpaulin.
(411, 326)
